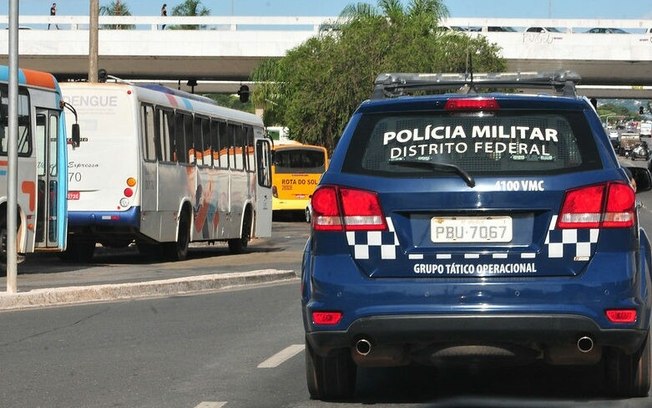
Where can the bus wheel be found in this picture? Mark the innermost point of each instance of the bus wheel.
(178, 251)
(239, 245)
(78, 250)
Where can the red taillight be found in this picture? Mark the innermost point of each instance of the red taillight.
(326, 318)
(325, 210)
(128, 192)
(621, 204)
(621, 315)
(606, 205)
(339, 208)
(361, 210)
(472, 104)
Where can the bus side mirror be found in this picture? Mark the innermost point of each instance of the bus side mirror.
(76, 138)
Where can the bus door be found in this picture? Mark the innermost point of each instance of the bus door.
(50, 190)
(263, 188)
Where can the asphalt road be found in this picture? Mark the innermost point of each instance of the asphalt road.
(233, 347)
(236, 349)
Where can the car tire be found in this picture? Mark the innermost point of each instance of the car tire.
(629, 375)
(331, 377)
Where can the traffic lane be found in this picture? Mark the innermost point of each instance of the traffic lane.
(282, 251)
(215, 349)
(171, 352)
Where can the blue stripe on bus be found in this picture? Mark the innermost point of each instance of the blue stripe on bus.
(4, 75)
(186, 103)
(129, 218)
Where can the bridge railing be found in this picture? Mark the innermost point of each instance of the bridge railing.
(314, 23)
(245, 23)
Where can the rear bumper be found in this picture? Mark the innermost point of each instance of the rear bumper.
(289, 204)
(524, 330)
(111, 219)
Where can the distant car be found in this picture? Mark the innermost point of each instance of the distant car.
(542, 30)
(600, 30)
(501, 29)
(453, 28)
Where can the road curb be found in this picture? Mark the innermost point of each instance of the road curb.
(108, 292)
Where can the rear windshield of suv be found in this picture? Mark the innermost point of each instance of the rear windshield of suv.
(504, 142)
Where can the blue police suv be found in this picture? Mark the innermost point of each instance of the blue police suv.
(476, 224)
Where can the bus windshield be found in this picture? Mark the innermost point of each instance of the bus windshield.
(300, 160)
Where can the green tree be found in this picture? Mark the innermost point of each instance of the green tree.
(232, 101)
(190, 8)
(116, 8)
(314, 89)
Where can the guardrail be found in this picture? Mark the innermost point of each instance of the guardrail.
(312, 23)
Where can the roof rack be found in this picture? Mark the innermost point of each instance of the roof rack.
(389, 85)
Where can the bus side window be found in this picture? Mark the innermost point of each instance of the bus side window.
(236, 149)
(215, 143)
(197, 148)
(165, 134)
(249, 149)
(207, 154)
(148, 133)
(223, 146)
(187, 139)
(180, 154)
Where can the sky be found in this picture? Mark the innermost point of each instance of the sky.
(572, 9)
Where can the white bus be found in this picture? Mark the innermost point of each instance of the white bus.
(41, 164)
(163, 168)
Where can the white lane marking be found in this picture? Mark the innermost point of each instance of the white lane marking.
(210, 404)
(282, 356)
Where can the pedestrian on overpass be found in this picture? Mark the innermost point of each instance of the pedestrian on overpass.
(164, 13)
(53, 12)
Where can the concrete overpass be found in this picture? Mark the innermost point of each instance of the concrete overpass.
(223, 52)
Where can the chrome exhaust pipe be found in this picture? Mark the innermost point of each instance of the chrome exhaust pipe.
(585, 344)
(363, 347)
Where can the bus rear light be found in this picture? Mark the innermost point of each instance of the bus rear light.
(128, 192)
(340, 208)
(609, 205)
(326, 318)
(621, 315)
(131, 181)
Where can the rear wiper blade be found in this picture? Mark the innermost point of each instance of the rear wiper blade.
(447, 167)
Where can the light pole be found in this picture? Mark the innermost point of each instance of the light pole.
(93, 41)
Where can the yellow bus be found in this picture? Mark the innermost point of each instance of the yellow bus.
(296, 169)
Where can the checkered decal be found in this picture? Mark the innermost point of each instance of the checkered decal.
(373, 244)
(576, 243)
(580, 242)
